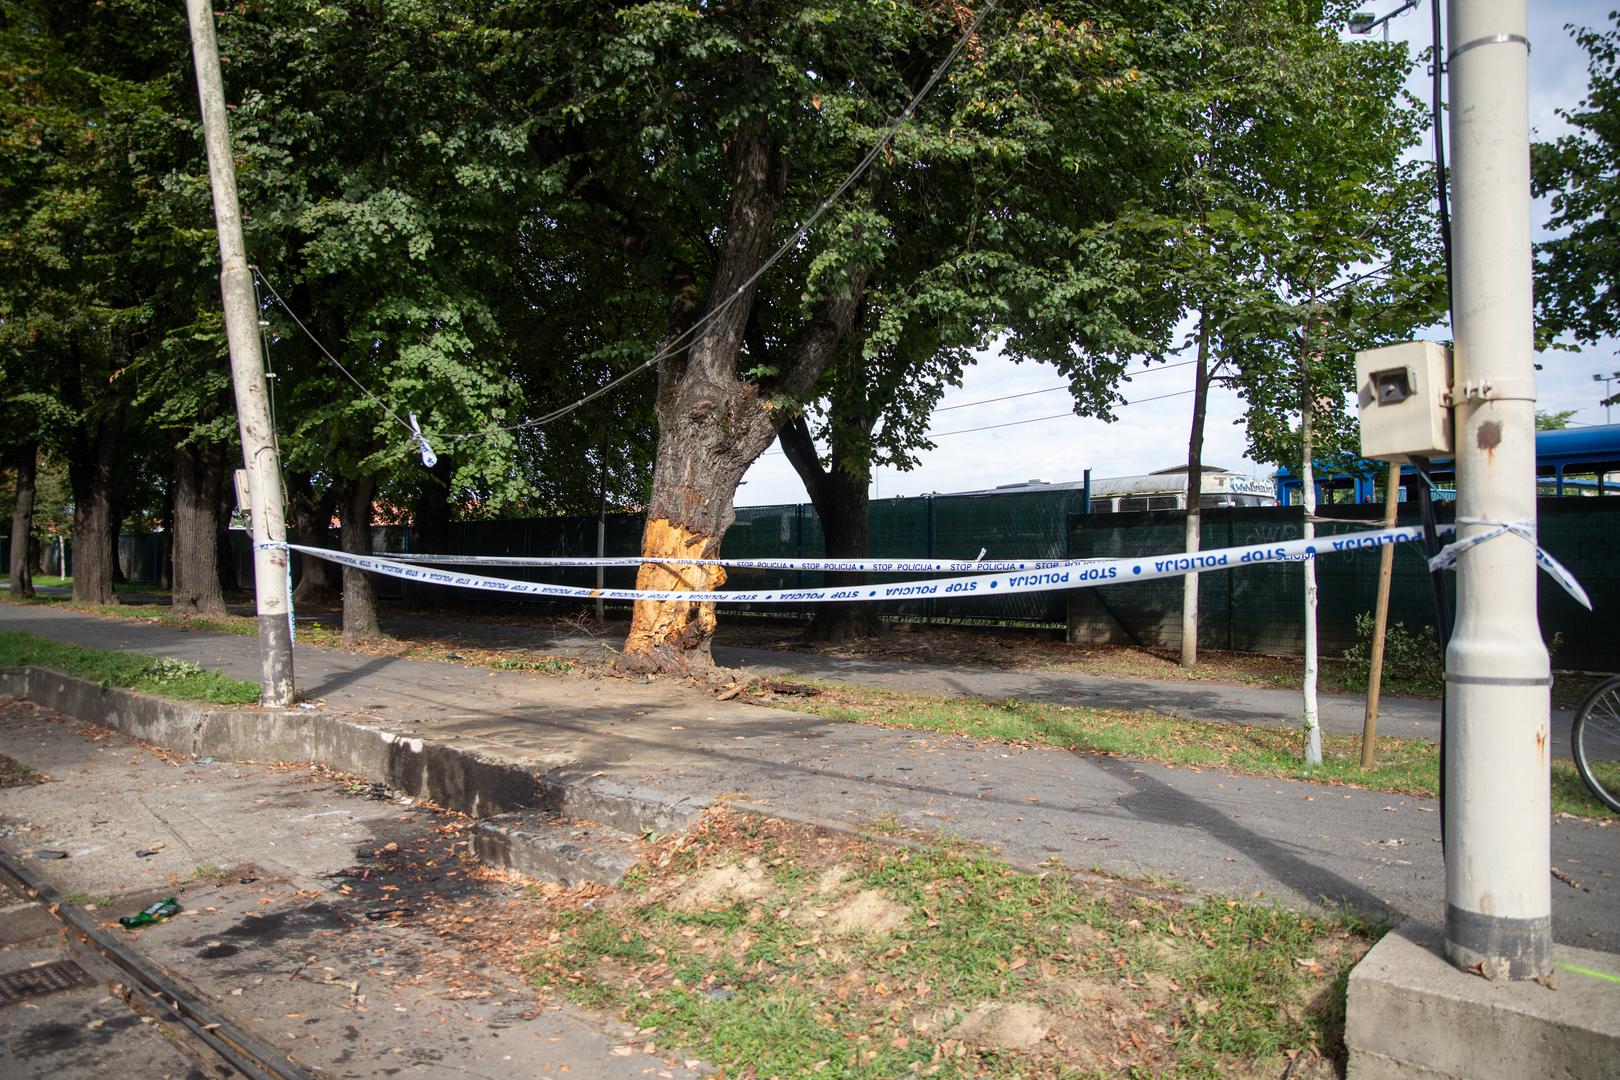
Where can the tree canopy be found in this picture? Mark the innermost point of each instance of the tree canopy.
(1578, 270)
(478, 214)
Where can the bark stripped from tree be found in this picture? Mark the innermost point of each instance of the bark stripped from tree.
(199, 475)
(22, 521)
(712, 423)
(359, 600)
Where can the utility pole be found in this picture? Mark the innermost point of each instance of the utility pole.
(270, 565)
(1497, 827)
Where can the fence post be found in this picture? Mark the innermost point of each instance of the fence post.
(928, 544)
(1375, 671)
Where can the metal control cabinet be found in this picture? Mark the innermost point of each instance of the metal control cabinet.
(1403, 396)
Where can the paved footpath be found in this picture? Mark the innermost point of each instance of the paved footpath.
(1398, 717)
(1211, 830)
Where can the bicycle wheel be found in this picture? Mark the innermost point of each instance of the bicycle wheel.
(1596, 740)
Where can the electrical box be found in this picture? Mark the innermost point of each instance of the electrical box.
(244, 499)
(1402, 395)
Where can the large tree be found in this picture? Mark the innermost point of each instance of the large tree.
(385, 168)
(726, 125)
(82, 79)
(1350, 259)
(1283, 125)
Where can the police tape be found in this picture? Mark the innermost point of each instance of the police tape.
(1447, 556)
(1066, 576)
(865, 566)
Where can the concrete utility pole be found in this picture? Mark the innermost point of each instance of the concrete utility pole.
(270, 570)
(1498, 831)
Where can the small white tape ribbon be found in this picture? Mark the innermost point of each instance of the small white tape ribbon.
(429, 458)
(1447, 556)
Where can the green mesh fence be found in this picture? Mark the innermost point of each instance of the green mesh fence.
(1251, 609)
(1261, 608)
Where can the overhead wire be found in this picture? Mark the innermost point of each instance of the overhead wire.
(1016, 423)
(1052, 389)
(364, 389)
(690, 333)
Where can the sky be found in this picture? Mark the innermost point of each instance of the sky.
(1045, 441)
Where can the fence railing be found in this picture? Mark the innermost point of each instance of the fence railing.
(1262, 608)
(1256, 609)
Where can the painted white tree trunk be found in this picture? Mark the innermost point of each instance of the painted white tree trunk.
(1195, 488)
(1313, 730)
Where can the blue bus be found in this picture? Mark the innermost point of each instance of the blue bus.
(1569, 462)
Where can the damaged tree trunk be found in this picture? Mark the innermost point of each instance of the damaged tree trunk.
(199, 475)
(712, 423)
(91, 461)
(359, 599)
(22, 521)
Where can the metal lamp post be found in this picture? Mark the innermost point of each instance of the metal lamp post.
(1606, 380)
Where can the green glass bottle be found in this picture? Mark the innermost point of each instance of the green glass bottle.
(154, 914)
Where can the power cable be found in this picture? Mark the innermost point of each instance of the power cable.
(364, 389)
(1052, 389)
(1016, 423)
(687, 335)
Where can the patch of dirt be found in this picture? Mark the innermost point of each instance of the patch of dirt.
(867, 912)
(995, 1026)
(831, 879)
(721, 886)
(1082, 1003)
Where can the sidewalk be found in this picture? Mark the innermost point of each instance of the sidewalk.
(1398, 717)
(1295, 842)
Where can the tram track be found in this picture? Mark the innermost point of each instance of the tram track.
(154, 990)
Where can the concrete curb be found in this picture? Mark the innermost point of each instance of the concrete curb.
(450, 776)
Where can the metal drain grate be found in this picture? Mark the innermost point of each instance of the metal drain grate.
(52, 978)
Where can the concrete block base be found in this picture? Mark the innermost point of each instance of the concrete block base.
(1413, 1016)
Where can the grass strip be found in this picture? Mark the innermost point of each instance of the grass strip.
(1404, 766)
(160, 675)
(769, 949)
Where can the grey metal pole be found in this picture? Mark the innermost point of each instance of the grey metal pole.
(270, 565)
(1498, 829)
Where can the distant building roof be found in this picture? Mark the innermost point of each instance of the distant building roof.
(1076, 485)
